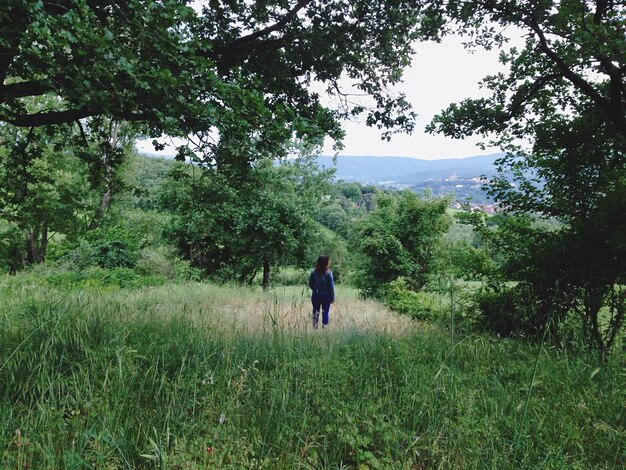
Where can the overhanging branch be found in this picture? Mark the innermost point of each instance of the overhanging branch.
(523, 96)
(53, 117)
(23, 89)
(614, 113)
(270, 29)
(244, 42)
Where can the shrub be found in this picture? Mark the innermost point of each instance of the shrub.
(115, 254)
(12, 249)
(290, 277)
(402, 300)
(506, 311)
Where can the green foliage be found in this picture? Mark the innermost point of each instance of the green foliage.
(352, 191)
(291, 277)
(331, 244)
(97, 277)
(229, 225)
(508, 312)
(559, 114)
(467, 262)
(570, 65)
(344, 205)
(127, 249)
(108, 247)
(144, 177)
(399, 239)
(335, 217)
(12, 248)
(407, 302)
(44, 185)
(114, 254)
(558, 274)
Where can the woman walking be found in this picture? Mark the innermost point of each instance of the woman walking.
(323, 285)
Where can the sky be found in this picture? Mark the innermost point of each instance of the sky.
(441, 73)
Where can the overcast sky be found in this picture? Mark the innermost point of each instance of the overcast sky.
(440, 74)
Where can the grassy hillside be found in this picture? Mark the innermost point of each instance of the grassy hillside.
(194, 376)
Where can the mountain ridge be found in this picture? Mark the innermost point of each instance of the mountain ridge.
(406, 170)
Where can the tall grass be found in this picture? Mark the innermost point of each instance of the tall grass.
(196, 376)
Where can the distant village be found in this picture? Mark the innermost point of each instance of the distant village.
(463, 191)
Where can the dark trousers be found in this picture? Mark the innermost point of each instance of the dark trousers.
(320, 302)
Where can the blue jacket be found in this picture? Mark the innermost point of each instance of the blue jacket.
(324, 284)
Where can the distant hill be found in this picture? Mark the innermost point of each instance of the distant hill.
(408, 171)
(450, 176)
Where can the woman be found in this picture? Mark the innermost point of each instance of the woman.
(323, 285)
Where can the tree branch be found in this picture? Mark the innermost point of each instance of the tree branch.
(270, 29)
(613, 113)
(229, 54)
(53, 117)
(83, 135)
(22, 89)
(601, 8)
(518, 100)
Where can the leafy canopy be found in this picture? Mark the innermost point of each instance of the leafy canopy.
(230, 68)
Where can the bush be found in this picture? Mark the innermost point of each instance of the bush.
(163, 262)
(290, 277)
(399, 239)
(506, 311)
(12, 249)
(115, 254)
(97, 277)
(402, 300)
(467, 262)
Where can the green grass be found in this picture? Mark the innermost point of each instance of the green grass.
(195, 376)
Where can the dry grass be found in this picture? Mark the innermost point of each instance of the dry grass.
(235, 309)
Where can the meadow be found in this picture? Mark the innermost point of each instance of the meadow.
(194, 375)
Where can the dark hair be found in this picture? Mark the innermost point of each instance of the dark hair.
(321, 264)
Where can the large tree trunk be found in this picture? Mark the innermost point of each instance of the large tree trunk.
(266, 272)
(37, 244)
(32, 246)
(592, 301)
(105, 202)
(43, 245)
(107, 195)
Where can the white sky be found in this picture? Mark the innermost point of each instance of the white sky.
(441, 73)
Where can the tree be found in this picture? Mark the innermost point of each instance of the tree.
(579, 179)
(574, 52)
(560, 114)
(236, 65)
(43, 186)
(105, 146)
(398, 239)
(233, 226)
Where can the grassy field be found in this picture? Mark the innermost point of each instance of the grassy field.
(198, 376)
